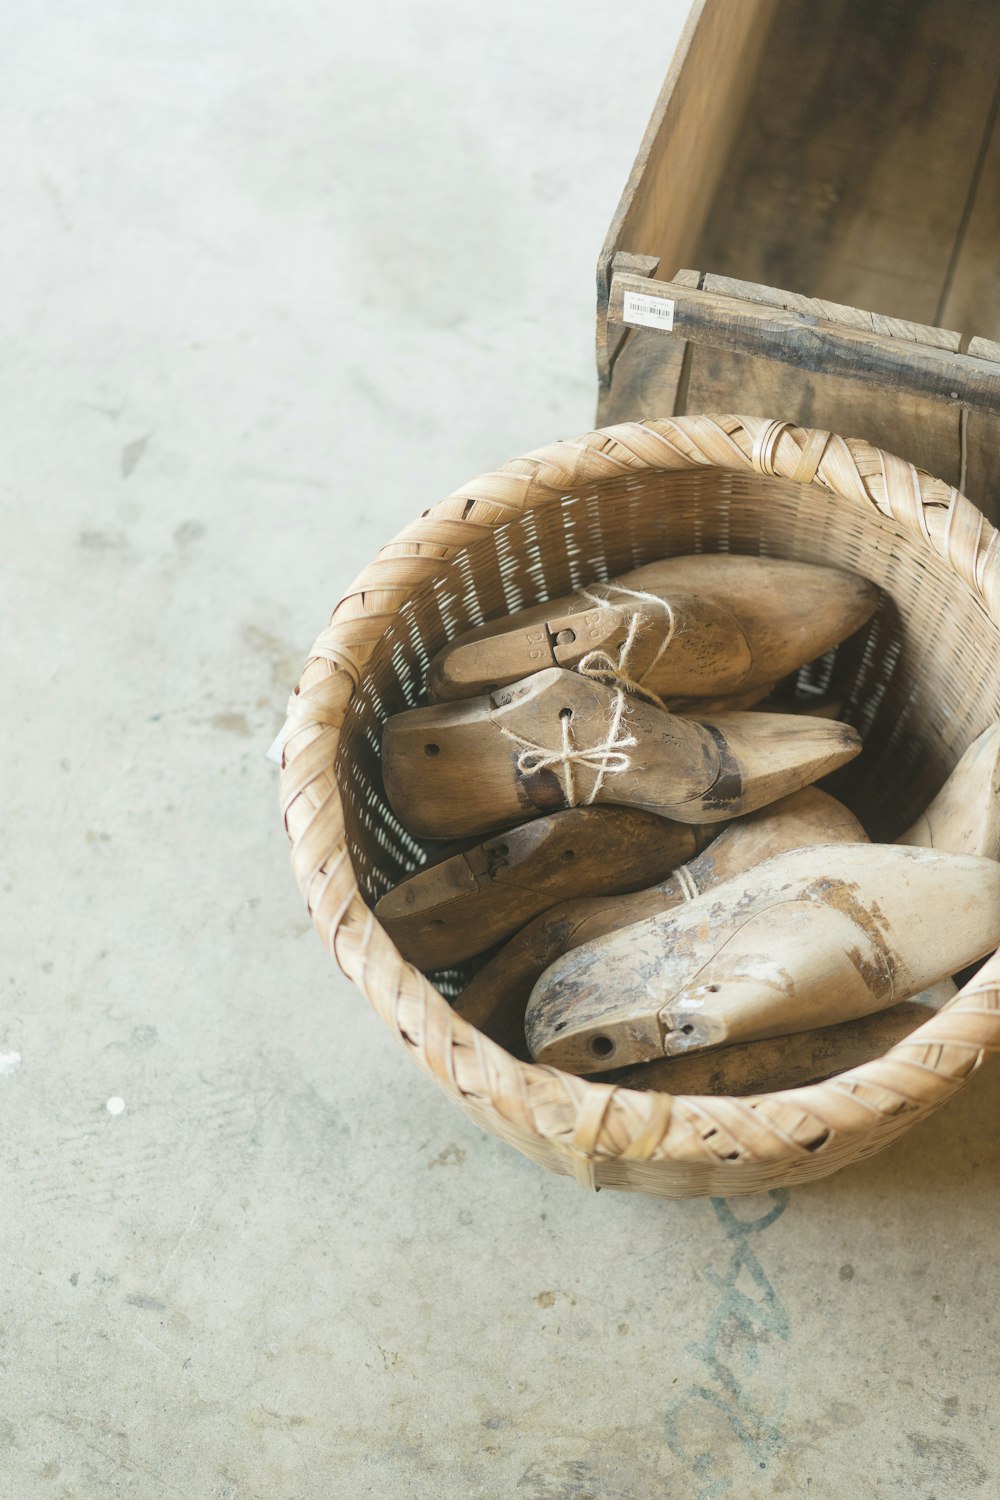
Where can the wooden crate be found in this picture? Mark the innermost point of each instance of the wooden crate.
(833, 170)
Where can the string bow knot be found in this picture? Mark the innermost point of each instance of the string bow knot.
(609, 758)
(601, 665)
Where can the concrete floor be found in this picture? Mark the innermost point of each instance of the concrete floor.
(274, 279)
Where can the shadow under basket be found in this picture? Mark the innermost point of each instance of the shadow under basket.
(920, 682)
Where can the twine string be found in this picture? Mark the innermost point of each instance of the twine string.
(601, 665)
(609, 758)
(687, 883)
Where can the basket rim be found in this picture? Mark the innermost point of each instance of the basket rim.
(586, 1122)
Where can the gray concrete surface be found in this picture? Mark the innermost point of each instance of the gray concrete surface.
(273, 279)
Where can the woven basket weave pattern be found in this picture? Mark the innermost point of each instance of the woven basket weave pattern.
(919, 683)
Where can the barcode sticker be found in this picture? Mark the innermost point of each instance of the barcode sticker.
(649, 312)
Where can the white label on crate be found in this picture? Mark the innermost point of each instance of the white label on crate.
(649, 312)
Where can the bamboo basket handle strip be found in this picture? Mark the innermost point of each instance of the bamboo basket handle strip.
(587, 1121)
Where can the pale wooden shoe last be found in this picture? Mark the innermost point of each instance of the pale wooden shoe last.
(692, 627)
(495, 998)
(810, 938)
(556, 739)
(463, 905)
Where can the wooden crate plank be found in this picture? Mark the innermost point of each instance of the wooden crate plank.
(648, 372)
(850, 175)
(687, 140)
(924, 431)
(972, 303)
(980, 478)
(972, 296)
(832, 312)
(611, 337)
(803, 341)
(927, 431)
(865, 177)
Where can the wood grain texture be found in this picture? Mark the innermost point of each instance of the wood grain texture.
(850, 368)
(810, 938)
(557, 740)
(864, 173)
(686, 142)
(785, 1062)
(970, 300)
(850, 174)
(695, 627)
(822, 311)
(738, 326)
(927, 429)
(465, 904)
(816, 705)
(964, 817)
(972, 304)
(647, 373)
(611, 337)
(495, 998)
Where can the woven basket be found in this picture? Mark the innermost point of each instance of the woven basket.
(920, 684)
